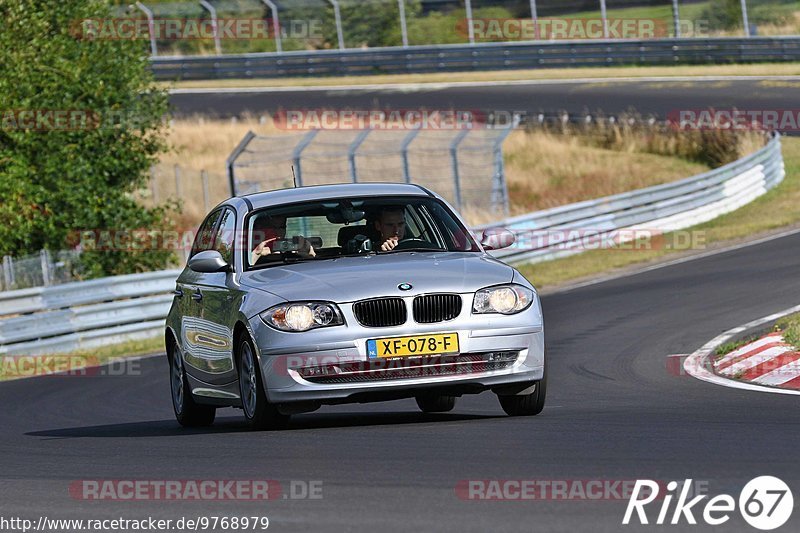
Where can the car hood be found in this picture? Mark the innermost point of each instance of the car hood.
(347, 279)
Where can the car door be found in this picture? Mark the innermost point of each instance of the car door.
(216, 298)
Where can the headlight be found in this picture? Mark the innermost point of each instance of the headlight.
(302, 316)
(503, 299)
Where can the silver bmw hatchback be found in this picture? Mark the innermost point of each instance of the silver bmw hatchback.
(298, 298)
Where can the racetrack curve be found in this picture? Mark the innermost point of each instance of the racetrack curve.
(648, 97)
(613, 413)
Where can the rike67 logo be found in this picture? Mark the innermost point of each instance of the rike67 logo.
(765, 503)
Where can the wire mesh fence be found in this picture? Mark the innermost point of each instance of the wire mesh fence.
(39, 270)
(464, 166)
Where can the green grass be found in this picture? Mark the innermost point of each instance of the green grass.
(778, 208)
(790, 326)
(728, 347)
(82, 358)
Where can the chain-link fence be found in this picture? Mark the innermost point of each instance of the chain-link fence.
(39, 270)
(464, 166)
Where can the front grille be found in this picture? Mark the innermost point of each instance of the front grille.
(380, 312)
(436, 308)
(409, 368)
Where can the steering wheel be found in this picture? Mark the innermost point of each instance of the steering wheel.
(413, 243)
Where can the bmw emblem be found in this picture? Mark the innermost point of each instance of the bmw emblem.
(404, 286)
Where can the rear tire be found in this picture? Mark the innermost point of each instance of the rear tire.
(188, 412)
(528, 404)
(259, 413)
(436, 403)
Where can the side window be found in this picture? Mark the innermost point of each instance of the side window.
(224, 239)
(204, 239)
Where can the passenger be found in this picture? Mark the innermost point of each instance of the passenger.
(270, 229)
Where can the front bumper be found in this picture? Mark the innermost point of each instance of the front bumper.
(342, 371)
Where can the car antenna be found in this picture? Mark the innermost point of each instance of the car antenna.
(294, 177)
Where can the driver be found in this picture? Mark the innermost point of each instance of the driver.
(272, 229)
(391, 225)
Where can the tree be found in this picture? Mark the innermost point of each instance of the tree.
(82, 123)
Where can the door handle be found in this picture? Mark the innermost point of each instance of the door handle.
(178, 293)
(197, 295)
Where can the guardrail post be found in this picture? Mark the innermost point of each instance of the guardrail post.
(338, 17)
(151, 27)
(401, 4)
(8, 272)
(604, 16)
(297, 156)
(351, 153)
(214, 26)
(276, 25)
(231, 161)
(454, 160)
(404, 152)
(745, 19)
(44, 258)
(676, 18)
(470, 28)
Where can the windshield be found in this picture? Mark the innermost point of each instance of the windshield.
(327, 229)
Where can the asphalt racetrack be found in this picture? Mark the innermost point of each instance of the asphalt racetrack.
(613, 412)
(656, 98)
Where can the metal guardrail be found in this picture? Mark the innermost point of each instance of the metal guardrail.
(566, 230)
(88, 314)
(485, 56)
(85, 314)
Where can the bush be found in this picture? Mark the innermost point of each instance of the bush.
(56, 181)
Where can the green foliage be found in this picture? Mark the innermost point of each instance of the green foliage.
(723, 14)
(56, 181)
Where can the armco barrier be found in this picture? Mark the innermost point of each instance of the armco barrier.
(664, 208)
(92, 313)
(85, 314)
(485, 56)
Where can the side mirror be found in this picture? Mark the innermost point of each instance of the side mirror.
(497, 238)
(208, 262)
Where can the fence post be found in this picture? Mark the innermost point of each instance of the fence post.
(151, 27)
(676, 18)
(454, 160)
(8, 272)
(404, 152)
(351, 153)
(338, 16)
(231, 161)
(276, 25)
(535, 17)
(298, 152)
(204, 177)
(45, 262)
(401, 4)
(745, 19)
(178, 187)
(470, 27)
(604, 16)
(214, 26)
(499, 184)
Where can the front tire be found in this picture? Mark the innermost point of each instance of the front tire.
(436, 403)
(528, 404)
(260, 414)
(188, 412)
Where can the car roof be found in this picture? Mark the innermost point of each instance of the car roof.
(324, 192)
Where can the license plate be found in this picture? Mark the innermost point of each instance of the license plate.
(441, 344)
